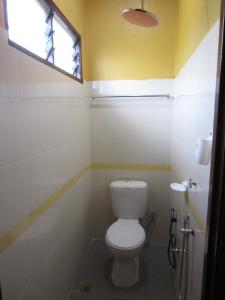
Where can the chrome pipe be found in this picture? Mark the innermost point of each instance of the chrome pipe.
(181, 268)
(168, 96)
(186, 231)
(142, 4)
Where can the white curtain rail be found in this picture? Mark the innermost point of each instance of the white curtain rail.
(133, 96)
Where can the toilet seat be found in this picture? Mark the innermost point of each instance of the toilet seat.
(125, 234)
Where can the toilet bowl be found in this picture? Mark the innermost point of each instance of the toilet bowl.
(125, 237)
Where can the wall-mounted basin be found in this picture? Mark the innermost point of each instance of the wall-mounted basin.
(179, 187)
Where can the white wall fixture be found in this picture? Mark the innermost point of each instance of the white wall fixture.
(125, 238)
(179, 187)
(203, 150)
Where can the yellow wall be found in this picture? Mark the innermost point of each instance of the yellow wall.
(114, 49)
(118, 50)
(195, 18)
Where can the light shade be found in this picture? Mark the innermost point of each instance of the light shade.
(140, 17)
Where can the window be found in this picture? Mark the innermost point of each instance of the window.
(38, 28)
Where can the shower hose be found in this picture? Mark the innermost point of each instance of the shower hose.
(184, 259)
(172, 241)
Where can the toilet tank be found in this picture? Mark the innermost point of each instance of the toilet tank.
(129, 198)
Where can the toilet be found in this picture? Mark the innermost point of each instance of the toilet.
(125, 237)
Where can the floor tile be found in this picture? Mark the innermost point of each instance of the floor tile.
(158, 283)
(156, 259)
(85, 296)
(159, 295)
(114, 298)
(131, 294)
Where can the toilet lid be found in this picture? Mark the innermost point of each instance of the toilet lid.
(125, 234)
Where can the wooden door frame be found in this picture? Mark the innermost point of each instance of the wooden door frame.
(213, 286)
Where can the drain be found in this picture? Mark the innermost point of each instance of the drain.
(84, 287)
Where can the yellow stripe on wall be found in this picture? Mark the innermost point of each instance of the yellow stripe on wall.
(154, 168)
(14, 233)
(194, 212)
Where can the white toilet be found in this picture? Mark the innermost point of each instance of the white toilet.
(125, 237)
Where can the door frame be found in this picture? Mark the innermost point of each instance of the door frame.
(213, 286)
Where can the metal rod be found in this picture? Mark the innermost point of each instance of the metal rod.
(184, 269)
(133, 96)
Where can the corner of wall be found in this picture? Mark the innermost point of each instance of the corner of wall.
(195, 20)
(2, 20)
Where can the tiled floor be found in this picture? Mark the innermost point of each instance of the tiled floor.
(158, 283)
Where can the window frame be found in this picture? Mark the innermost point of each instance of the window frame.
(70, 27)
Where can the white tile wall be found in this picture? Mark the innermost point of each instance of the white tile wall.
(131, 131)
(193, 111)
(44, 141)
(68, 251)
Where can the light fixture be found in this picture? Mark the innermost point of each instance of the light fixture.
(140, 17)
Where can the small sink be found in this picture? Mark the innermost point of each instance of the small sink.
(178, 187)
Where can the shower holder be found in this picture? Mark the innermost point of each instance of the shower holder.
(177, 250)
(187, 231)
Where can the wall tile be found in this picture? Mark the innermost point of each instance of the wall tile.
(131, 131)
(192, 119)
(45, 141)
